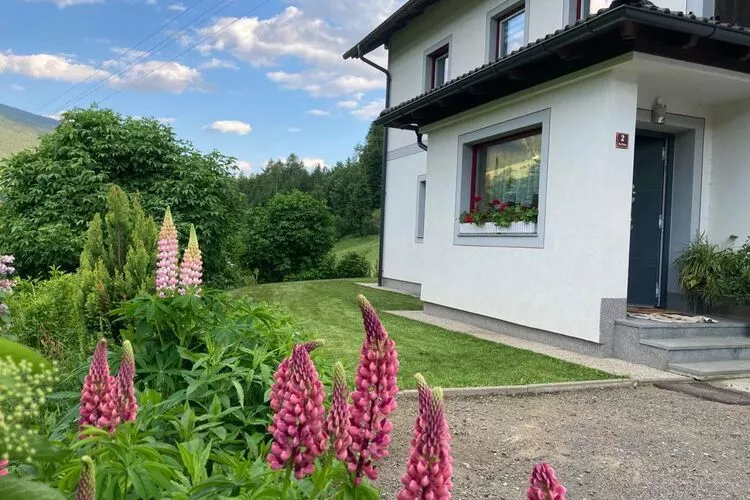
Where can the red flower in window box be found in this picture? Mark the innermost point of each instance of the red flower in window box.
(476, 199)
(496, 202)
(468, 219)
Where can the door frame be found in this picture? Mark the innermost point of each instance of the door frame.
(666, 211)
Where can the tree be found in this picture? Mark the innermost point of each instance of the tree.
(370, 158)
(51, 192)
(290, 234)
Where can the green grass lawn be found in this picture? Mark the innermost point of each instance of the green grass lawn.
(365, 245)
(328, 309)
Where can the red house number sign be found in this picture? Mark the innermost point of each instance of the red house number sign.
(622, 140)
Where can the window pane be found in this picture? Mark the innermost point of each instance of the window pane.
(441, 70)
(511, 33)
(593, 6)
(510, 171)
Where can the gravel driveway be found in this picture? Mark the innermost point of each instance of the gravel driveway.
(643, 443)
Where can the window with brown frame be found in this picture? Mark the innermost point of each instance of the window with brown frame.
(438, 67)
(587, 7)
(509, 32)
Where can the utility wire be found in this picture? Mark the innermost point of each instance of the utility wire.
(211, 35)
(153, 50)
(111, 63)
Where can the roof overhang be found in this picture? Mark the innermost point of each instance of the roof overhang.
(380, 35)
(599, 38)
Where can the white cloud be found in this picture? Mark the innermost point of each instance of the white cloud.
(312, 33)
(16, 88)
(47, 66)
(128, 55)
(231, 127)
(311, 163)
(166, 120)
(56, 116)
(155, 76)
(215, 63)
(294, 130)
(243, 166)
(68, 3)
(350, 104)
(369, 111)
(177, 7)
(318, 112)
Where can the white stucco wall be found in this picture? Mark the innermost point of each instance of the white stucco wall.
(729, 201)
(402, 255)
(585, 256)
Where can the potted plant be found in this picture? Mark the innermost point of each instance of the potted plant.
(498, 218)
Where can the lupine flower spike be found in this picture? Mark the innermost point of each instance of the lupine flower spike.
(99, 394)
(87, 483)
(544, 484)
(339, 416)
(374, 397)
(429, 471)
(298, 422)
(3, 467)
(127, 405)
(281, 377)
(166, 259)
(191, 269)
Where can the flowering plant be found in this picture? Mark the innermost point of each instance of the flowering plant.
(499, 213)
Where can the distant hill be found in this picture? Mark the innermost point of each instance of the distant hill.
(20, 129)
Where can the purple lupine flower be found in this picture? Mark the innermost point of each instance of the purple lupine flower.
(298, 422)
(429, 470)
(99, 394)
(166, 259)
(374, 396)
(87, 483)
(127, 405)
(544, 484)
(191, 269)
(339, 416)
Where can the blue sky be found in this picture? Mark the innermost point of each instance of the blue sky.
(255, 79)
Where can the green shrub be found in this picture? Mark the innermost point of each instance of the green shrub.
(288, 235)
(353, 265)
(325, 270)
(44, 316)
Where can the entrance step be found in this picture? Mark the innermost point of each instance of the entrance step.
(713, 369)
(687, 343)
(656, 330)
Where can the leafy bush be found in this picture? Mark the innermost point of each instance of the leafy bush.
(325, 270)
(288, 235)
(44, 315)
(709, 274)
(51, 192)
(352, 265)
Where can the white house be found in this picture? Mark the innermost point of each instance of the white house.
(605, 137)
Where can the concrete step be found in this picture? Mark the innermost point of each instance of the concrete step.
(690, 343)
(713, 369)
(655, 330)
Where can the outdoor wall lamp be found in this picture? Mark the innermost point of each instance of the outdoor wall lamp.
(658, 111)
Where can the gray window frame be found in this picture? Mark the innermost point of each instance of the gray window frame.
(427, 73)
(421, 208)
(464, 190)
(494, 16)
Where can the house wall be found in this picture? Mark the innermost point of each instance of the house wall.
(730, 203)
(559, 287)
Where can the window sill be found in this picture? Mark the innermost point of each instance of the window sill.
(490, 229)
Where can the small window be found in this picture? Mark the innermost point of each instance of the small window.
(438, 64)
(587, 7)
(421, 198)
(509, 31)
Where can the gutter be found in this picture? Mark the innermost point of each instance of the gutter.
(569, 35)
(383, 165)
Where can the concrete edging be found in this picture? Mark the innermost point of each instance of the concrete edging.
(540, 388)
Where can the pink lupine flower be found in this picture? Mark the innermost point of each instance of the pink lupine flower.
(298, 422)
(87, 483)
(127, 405)
(5, 267)
(544, 484)
(191, 269)
(374, 396)
(166, 259)
(429, 470)
(99, 394)
(3, 467)
(281, 377)
(339, 416)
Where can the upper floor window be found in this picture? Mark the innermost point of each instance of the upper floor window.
(588, 7)
(437, 67)
(509, 31)
(733, 11)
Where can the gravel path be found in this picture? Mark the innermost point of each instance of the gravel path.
(643, 443)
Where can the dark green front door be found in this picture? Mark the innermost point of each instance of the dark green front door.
(647, 221)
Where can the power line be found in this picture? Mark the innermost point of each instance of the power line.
(153, 50)
(225, 27)
(108, 64)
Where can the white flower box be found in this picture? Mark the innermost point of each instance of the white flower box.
(489, 228)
